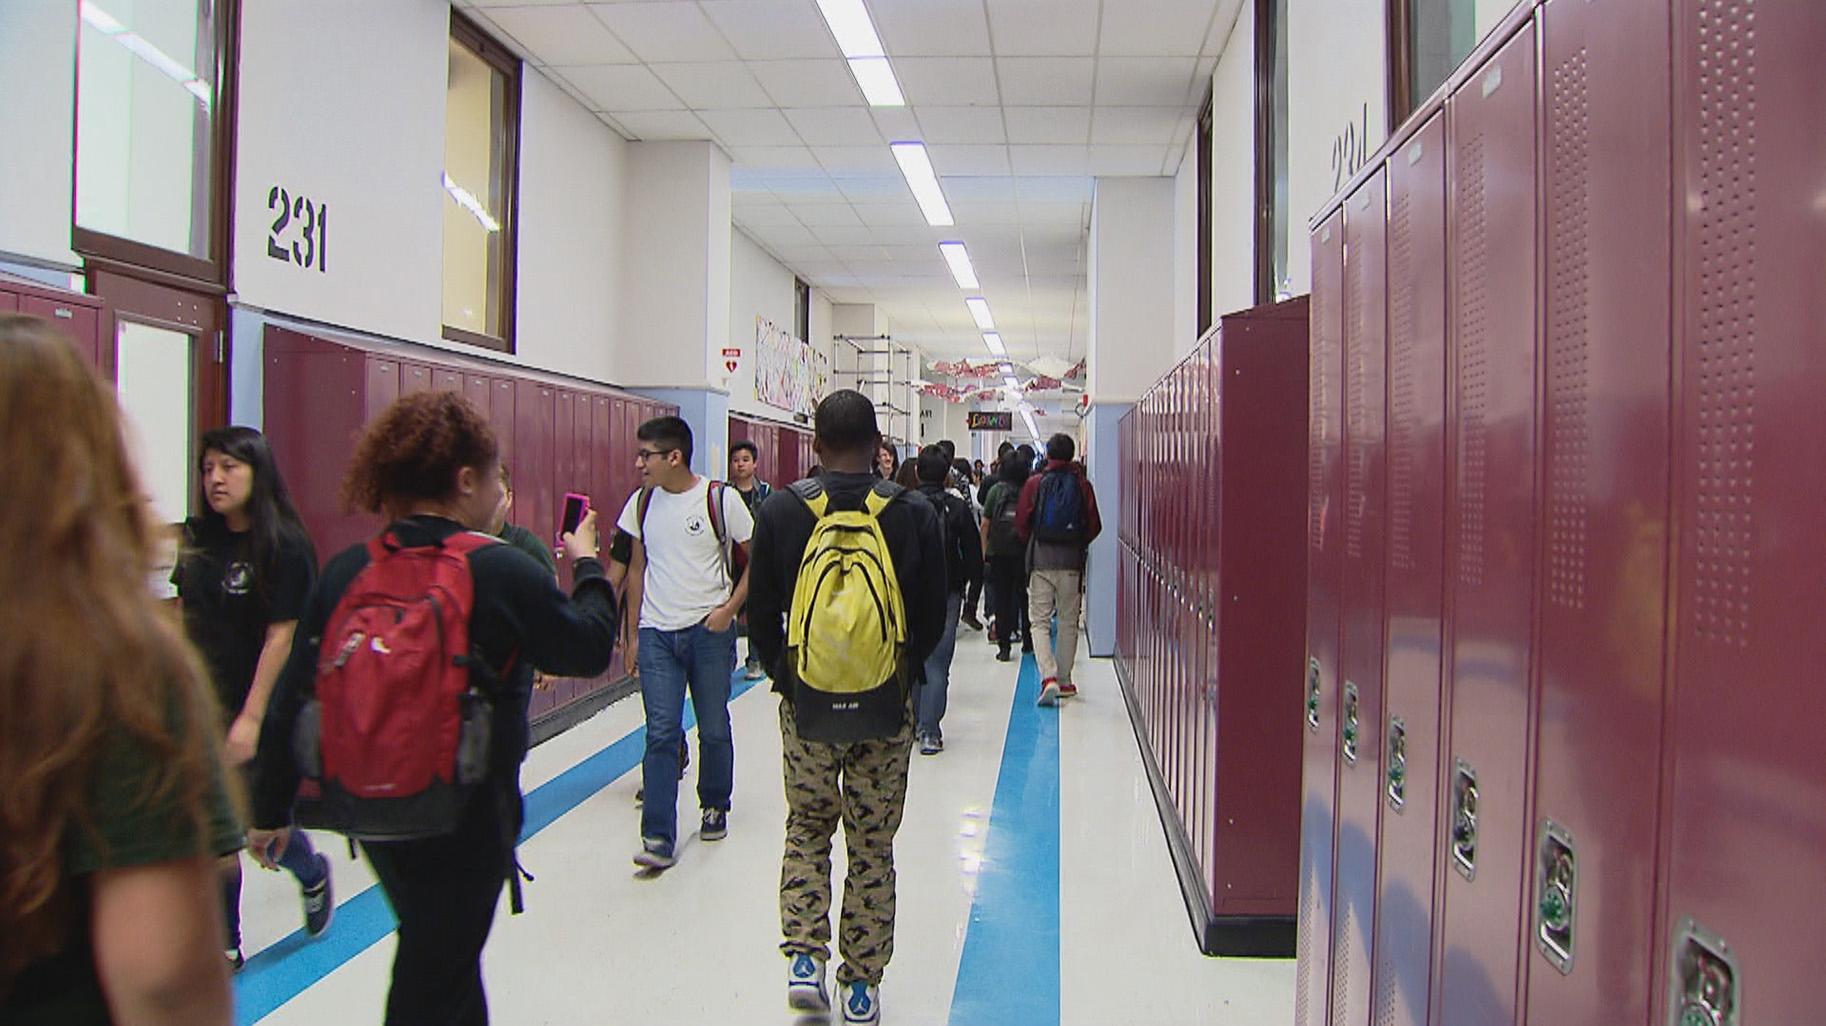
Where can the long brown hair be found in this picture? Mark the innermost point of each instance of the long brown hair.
(88, 657)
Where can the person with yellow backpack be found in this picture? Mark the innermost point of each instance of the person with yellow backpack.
(843, 618)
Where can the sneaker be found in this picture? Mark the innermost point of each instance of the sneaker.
(970, 620)
(805, 985)
(235, 961)
(861, 1004)
(640, 797)
(1003, 656)
(655, 854)
(319, 902)
(715, 825)
(1068, 690)
(931, 744)
(754, 670)
(1049, 691)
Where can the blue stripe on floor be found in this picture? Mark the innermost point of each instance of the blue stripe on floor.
(1009, 971)
(297, 963)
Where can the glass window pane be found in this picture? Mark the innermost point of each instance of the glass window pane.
(145, 98)
(475, 187)
(1283, 282)
(1444, 33)
(157, 398)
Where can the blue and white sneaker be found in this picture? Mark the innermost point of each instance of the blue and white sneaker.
(655, 854)
(805, 985)
(319, 901)
(861, 1004)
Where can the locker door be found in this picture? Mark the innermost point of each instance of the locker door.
(533, 418)
(446, 379)
(1411, 748)
(619, 451)
(9, 301)
(480, 391)
(81, 323)
(1747, 796)
(602, 471)
(565, 477)
(414, 377)
(1606, 437)
(1324, 574)
(1492, 536)
(1360, 718)
(501, 415)
(383, 385)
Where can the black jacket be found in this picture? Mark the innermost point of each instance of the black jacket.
(780, 536)
(964, 560)
(519, 615)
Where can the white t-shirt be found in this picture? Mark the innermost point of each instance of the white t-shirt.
(685, 578)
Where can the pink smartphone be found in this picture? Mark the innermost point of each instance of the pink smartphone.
(576, 507)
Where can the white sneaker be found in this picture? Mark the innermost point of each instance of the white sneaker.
(805, 985)
(861, 1004)
(1049, 692)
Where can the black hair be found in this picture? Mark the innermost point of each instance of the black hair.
(933, 466)
(1061, 447)
(950, 448)
(962, 467)
(1017, 467)
(745, 446)
(1006, 448)
(270, 513)
(845, 423)
(671, 432)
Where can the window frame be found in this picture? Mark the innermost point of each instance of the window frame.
(1203, 134)
(802, 308)
(465, 32)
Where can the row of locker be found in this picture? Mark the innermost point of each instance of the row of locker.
(556, 437)
(1210, 617)
(85, 320)
(784, 453)
(1567, 586)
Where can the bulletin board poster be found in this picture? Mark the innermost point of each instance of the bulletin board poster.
(788, 373)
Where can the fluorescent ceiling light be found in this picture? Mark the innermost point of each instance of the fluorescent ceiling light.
(1027, 415)
(979, 309)
(994, 341)
(916, 166)
(101, 20)
(467, 200)
(1007, 368)
(849, 22)
(876, 78)
(105, 23)
(1012, 383)
(961, 269)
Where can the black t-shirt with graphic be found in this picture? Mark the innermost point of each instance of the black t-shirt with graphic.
(228, 605)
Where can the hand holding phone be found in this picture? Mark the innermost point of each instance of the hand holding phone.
(581, 543)
(575, 506)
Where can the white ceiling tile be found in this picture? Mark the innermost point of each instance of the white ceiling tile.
(858, 253)
(978, 214)
(665, 31)
(1144, 81)
(961, 124)
(1226, 26)
(1054, 125)
(806, 187)
(771, 30)
(1127, 160)
(661, 124)
(834, 126)
(1044, 28)
(890, 215)
(750, 127)
(826, 215)
(719, 84)
(621, 87)
(897, 124)
(1155, 28)
(980, 189)
(852, 160)
(969, 160)
(1155, 126)
(758, 215)
(844, 234)
(1053, 188)
(931, 28)
(948, 81)
(780, 235)
(1046, 81)
(1049, 160)
(776, 157)
(871, 188)
(807, 83)
(566, 34)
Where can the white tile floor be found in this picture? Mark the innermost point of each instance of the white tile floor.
(698, 944)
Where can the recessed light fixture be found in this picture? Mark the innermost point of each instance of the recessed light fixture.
(1032, 428)
(916, 166)
(876, 79)
(979, 309)
(1007, 368)
(994, 341)
(961, 269)
(1013, 384)
(855, 34)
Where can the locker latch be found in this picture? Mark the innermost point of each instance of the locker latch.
(1556, 887)
(1398, 763)
(1704, 979)
(1312, 694)
(1464, 820)
(1349, 727)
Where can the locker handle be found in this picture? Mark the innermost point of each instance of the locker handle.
(1398, 763)
(1556, 885)
(1349, 725)
(1464, 820)
(1705, 984)
(63, 313)
(1313, 688)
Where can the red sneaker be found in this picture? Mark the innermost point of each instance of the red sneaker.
(1049, 691)
(1068, 690)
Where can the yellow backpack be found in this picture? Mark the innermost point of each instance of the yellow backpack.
(846, 634)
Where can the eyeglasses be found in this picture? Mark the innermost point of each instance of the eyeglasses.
(643, 455)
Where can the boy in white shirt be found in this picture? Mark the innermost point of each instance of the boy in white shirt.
(685, 598)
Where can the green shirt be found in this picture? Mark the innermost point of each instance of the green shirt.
(529, 543)
(1000, 498)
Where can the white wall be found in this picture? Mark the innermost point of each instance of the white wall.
(1185, 250)
(675, 319)
(1131, 286)
(1233, 170)
(758, 287)
(1336, 88)
(37, 124)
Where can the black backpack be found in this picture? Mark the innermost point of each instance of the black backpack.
(1004, 536)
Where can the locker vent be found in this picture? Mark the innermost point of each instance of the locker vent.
(1385, 1011)
(1473, 359)
(1303, 930)
(1356, 472)
(1404, 394)
(1319, 426)
(1725, 227)
(1340, 968)
(1568, 385)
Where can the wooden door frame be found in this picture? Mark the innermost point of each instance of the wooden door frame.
(203, 315)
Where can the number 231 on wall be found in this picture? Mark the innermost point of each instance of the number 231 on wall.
(308, 220)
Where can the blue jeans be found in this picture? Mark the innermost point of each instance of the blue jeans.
(669, 661)
(931, 702)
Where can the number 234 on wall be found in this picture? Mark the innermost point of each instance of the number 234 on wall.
(312, 246)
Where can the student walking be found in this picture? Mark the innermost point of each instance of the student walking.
(963, 485)
(1058, 519)
(744, 477)
(844, 668)
(431, 463)
(243, 574)
(686, 593)
(117, 806)
(963, 555)
(1007, 555)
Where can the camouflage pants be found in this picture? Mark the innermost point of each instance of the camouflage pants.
(865, 786)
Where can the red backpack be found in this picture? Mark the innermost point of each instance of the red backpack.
(396, 736)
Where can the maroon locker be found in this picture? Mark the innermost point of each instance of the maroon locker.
(79, 321)
(447, 379)
(383, 385)
(501, 412)
(1491, 531)
(1745, 814)
(602, 462)
(1359, 799)
(414, 377)
(564, 477)
(9, 301)
(479, 390)
(534, 456)
(1411, 751)
(1324, 575)
(314, 412)
(1606, 444)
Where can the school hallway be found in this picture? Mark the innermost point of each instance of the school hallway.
(1027, 897)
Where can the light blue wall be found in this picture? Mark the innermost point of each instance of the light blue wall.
(1104, 465)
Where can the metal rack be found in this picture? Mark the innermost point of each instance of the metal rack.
(883, 370)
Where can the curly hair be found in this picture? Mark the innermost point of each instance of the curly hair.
(413, 451)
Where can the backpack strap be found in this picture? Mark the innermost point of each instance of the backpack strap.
(640, 512)
(713, 496)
